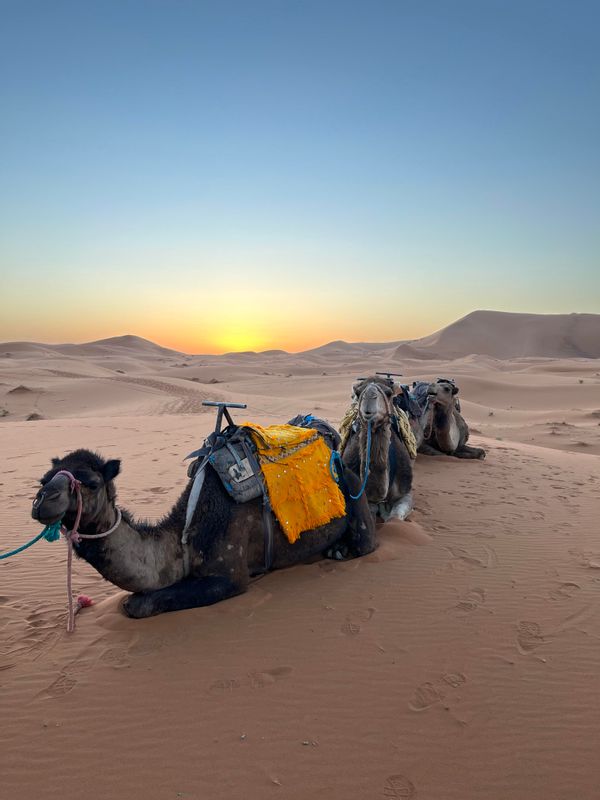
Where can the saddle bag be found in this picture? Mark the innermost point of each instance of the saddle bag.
(238, 470)
(232, 456)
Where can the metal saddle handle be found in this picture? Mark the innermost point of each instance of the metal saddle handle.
(390, 375)
(223, 411)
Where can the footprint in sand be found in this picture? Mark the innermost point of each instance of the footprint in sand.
(471, 600)
(115, 657)
(564, 591)
(366, 614)
(224, 686)
(529, 636)
(352, 626)
(258, 680)
(145, 646)
(398, 787)
(454, 679)
(466, 559)
(64, 684)
(426, 695)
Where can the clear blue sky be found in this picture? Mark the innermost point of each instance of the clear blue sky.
(380, 168)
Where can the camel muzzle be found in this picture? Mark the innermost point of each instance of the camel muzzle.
(52, 501)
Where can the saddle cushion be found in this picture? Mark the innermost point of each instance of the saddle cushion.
(295, 467)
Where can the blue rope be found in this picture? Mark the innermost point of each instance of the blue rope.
(50, 533)
(335, 466)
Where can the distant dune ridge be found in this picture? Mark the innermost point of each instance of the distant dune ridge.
(498, 334)
(508, 335)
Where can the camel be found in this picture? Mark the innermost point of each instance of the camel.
(225, 545)
(445, 431)
(387, 477)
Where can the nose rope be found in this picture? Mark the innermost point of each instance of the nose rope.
(367, 464)
(428, 415)
(74, 537)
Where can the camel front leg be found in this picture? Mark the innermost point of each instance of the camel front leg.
(469, 452)
(188, 593)
(401, 509)
(427, 450)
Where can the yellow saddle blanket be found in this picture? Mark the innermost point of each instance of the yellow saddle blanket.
(295, 467)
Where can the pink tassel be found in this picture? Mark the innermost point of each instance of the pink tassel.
(83, 601)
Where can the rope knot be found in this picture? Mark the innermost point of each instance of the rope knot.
(74, 483)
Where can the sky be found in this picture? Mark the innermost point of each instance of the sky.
(220, 176)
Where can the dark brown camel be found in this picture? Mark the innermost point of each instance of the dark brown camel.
(445, 429)
(389, 469)
(224, 549)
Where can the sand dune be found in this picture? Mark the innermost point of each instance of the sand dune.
(506, 335)
(460, 660)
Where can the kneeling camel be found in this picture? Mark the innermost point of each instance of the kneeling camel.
(445, 429)
(375, 450)
(225, 545)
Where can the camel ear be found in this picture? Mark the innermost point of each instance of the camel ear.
(455, 390)
(55, 462)
(111, 470)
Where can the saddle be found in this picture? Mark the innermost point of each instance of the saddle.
(407, 402)
(288, 465)
(232, 453)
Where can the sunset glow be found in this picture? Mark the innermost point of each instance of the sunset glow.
(238, 179)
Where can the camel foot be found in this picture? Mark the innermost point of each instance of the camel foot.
(138, 606)
(402, 508)
(339, 552)
(470, 452)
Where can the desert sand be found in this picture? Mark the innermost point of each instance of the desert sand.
(459, 661)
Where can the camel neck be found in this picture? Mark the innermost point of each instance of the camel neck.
(102, 523)
(135, 558)
(442, 417)
(377, 483)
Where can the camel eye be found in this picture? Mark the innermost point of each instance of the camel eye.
(89, 480)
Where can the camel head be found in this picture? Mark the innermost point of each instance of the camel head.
(374, 397)
(55, 500)
(442, 393)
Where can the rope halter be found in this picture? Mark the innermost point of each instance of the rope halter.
(73, 536)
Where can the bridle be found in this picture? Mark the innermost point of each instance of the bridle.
(74, 537)
(369, 435)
